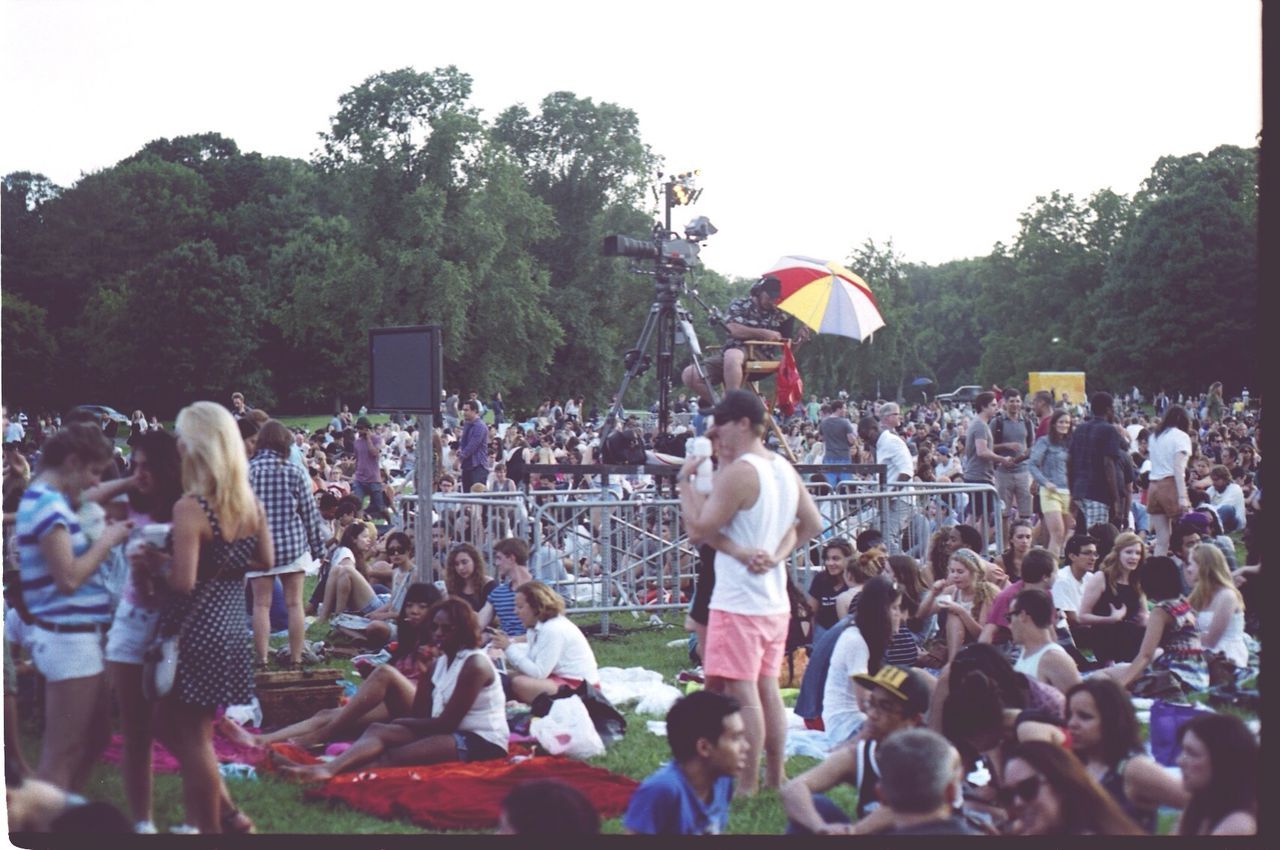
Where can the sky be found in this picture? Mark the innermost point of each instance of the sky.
(816, 125)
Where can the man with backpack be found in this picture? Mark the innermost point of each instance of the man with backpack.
(1012, 433)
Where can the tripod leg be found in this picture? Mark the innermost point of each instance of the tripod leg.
(642, 345)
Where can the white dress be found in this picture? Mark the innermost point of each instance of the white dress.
(1231, 644)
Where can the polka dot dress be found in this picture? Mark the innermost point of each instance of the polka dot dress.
(215, 662)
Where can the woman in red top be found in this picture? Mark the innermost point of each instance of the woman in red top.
(387, 693)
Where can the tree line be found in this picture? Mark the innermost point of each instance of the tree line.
(192, 268)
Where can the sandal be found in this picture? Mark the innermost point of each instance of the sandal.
(237, 822)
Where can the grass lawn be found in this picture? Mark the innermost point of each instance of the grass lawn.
(278, 807)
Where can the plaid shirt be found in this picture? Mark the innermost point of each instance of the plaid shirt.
(291, 510)
(1091, 442)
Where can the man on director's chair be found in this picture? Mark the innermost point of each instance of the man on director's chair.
(754, 316)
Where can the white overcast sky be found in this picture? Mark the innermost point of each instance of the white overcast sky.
(816, 124)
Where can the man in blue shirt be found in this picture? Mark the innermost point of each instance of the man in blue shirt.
(690, 794)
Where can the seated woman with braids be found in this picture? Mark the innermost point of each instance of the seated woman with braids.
(458, 712)
(386, 693)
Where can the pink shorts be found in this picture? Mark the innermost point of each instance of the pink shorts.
(746, 647)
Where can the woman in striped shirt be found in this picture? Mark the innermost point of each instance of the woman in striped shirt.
(65, 592)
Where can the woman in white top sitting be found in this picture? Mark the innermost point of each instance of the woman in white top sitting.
(1218, 606)
(860, 649)
(555, 652)
(458, 714)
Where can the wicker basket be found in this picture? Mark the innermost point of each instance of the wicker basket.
(290, 696)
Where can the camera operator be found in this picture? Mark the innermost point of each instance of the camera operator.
(754, 316)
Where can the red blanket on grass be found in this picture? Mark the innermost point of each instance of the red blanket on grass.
(463, 795)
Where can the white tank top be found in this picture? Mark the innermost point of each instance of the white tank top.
(762, 526)
(488, 715)
(1028, 665)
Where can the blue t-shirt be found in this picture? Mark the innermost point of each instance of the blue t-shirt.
(665, 804)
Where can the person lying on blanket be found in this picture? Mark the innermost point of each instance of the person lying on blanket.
(555, 652)
(388, 692)
(458, 713)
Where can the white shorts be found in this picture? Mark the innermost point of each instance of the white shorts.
(300, 564)
(131, 633)
(62, 656)
(16, 631)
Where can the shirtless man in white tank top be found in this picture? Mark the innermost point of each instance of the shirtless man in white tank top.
(757, 513)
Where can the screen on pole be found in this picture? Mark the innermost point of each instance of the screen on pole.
(405, 369)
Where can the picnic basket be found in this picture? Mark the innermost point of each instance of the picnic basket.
(288, 696)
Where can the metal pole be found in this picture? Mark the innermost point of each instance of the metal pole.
(424, 472)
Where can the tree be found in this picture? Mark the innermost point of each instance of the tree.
(183, 326)
(1179, 308)
(30, 351)
(589, 165)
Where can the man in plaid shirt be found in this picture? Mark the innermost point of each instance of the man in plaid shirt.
(297, 535)
(1093, 485)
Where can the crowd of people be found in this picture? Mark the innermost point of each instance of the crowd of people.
(930, 653)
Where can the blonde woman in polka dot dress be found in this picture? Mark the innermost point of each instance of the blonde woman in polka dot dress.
(219, 533)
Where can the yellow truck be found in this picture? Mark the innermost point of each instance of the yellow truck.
(1065, 387)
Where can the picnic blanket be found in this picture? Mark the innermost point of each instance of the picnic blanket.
(162, 761)
(459, 795)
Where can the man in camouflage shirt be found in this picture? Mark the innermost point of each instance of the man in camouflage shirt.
(752, 316)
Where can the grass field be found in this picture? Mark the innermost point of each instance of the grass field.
(278, 807)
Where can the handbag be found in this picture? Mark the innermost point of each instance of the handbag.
(160, 661)
(1158, 684)
(1166, 719)
(1221, 670)
(159, 667)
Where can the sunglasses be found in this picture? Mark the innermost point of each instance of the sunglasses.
(1026, 790)
(396, 550)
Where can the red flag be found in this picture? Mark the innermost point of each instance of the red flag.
(788, 387)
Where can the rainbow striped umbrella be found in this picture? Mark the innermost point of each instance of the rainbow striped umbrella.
(827, 297)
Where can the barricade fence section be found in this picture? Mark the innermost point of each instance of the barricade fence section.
(606, 555)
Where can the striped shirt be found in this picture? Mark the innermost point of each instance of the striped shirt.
(41, 510)
(292, 515)
(503, 600)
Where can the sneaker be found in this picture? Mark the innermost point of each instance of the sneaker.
(183, 829)
(144, 827)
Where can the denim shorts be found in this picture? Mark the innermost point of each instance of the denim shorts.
(471, 747)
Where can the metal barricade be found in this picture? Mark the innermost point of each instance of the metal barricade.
(480, 519)
(607, 555)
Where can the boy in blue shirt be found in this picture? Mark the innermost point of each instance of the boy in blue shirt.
(690, 794)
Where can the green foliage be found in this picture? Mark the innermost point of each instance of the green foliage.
(192, 267)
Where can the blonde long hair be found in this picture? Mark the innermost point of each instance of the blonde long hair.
(1212, 575)
(214, 465)
(983, 590)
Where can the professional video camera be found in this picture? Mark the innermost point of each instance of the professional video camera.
(672, 255)
(663, 245)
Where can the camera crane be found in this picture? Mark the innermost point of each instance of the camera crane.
(673, 256)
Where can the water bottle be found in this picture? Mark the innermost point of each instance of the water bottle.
(702, 479)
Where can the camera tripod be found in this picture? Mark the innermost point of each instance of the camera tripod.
(666, 315)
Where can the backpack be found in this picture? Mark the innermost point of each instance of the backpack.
(624, 446)
(997, 429)
(515, 466)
